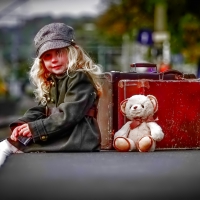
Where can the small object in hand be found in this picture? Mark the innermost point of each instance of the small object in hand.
(24, 140)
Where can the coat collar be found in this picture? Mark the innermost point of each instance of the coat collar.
(53, 76)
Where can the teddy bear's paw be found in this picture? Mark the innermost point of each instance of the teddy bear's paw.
(145, 144)
(157, 136)
(121, 144)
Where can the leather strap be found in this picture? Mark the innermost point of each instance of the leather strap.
(92, 112)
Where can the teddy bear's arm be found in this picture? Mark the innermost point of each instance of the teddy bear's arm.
(124, 131)
(156, 131)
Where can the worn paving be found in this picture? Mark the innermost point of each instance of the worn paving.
(102, 175)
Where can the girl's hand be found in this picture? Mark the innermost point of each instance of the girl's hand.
(14, 134)
(22, 130)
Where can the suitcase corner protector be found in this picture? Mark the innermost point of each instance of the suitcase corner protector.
(121, 83)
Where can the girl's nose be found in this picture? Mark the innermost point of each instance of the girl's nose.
(54, 58)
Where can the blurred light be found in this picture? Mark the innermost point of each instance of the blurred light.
(160, 36)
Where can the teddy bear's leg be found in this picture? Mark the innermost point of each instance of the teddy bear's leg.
(123, 144)
(146, 144)
(153, 147)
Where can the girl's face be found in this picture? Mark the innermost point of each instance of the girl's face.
(55, 61)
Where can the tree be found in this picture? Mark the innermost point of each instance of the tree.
(127, 17)
(123, 17)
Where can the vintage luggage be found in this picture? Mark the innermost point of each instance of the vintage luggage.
(107, 116)
(178, 109)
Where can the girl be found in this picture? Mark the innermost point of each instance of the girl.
(67, 91)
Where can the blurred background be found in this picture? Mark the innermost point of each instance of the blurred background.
(115, 33)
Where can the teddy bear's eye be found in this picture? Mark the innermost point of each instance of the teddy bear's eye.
(142, 106)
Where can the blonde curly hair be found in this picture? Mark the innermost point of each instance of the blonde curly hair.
(79, 60)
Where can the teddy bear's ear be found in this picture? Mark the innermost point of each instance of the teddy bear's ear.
(123, 105)
(154, 102)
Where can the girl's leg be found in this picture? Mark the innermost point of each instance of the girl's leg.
(6, 149)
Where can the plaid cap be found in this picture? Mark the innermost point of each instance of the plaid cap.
(53, 36)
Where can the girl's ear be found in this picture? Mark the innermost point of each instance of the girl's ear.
(123, 106)
(154, 102)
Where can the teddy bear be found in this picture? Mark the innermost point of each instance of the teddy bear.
(141, 132)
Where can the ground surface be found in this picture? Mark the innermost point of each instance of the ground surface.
(102, 175)
(106, 175)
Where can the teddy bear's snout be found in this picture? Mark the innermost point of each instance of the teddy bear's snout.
(136, 107)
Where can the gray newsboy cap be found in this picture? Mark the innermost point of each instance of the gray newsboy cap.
(53, 36)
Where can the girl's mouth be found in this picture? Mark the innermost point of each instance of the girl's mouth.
(56, 67)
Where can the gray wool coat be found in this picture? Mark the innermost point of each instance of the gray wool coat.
(67, 126)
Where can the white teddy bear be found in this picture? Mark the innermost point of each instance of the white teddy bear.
(141, 132)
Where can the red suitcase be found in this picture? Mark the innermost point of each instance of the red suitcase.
(107, 116)
(178, 109)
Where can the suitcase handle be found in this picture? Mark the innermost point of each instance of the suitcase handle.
(179, 75)
(148, 65)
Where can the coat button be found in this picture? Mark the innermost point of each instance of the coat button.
(44, 101)
(52, 100)
(52, 83)
(43, 138)
(48, 99)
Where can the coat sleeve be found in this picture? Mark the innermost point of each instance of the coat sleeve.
(30, 115)
(79, 98)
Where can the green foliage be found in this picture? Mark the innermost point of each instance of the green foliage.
(117, 18)
(123, 17)
(127, 16)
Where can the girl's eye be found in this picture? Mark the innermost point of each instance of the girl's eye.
(46, 56)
